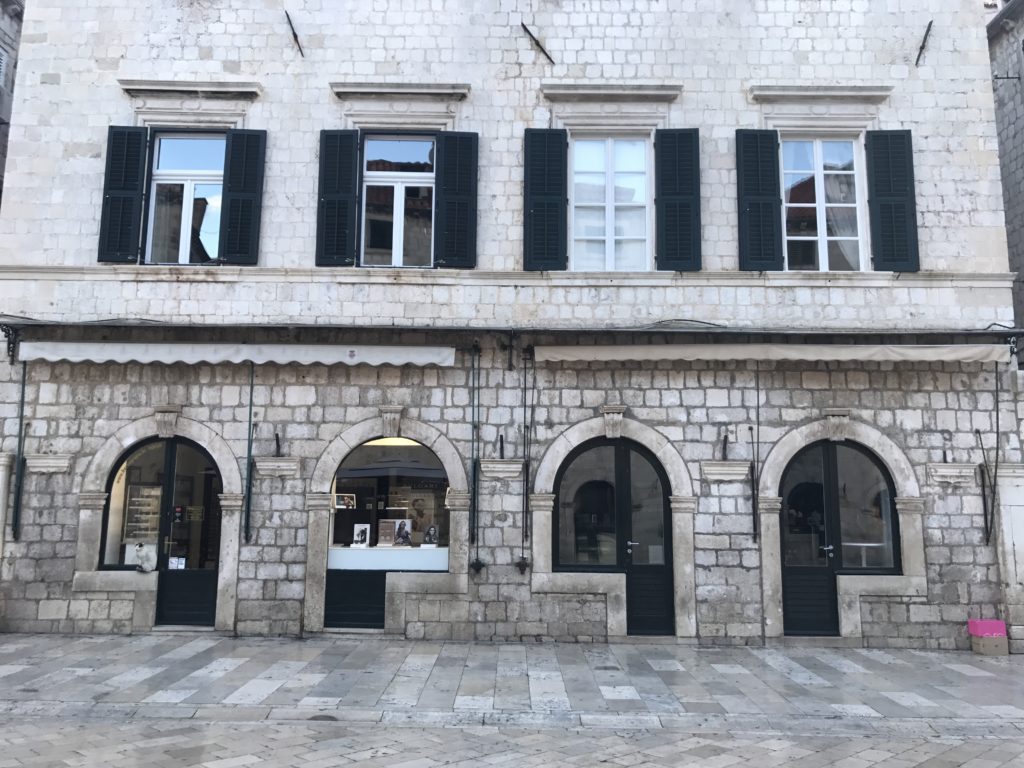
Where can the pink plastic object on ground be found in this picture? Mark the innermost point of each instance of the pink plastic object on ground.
(986, 628)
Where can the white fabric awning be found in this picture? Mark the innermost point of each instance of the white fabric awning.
(302, 354)
(917, 353)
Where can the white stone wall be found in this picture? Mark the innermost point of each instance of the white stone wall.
(74, 54)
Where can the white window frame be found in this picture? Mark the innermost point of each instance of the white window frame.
(399, 181)
(609, 137)
(860, 180)
(189, 179)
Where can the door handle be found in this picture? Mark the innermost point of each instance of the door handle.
(829, 548)
(632, 543)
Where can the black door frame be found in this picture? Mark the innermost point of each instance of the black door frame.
(825, 576)
(621, 475)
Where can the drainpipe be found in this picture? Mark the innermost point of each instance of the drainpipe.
(6, 462)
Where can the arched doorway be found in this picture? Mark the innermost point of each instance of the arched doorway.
(838, 517)
(163, 513)
(612, 515)
(389, 513)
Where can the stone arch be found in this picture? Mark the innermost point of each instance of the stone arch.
(664, 451)
(357, 434)
(891, 455)
(94, 479)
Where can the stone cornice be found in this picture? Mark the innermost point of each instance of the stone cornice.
(92, 500)
(858, 94)
(725, 471)
(401, 91)
(48, 462)
(277, 466)
(953, 474)
(200, 89)
(503, 469)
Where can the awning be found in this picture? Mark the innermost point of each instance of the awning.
(912, 353)
(302, 354)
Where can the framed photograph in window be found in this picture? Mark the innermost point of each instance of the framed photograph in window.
(386, 533)
(344, 501)
(361, 535)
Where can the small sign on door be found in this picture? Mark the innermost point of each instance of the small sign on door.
(194, 514)
(176, 563)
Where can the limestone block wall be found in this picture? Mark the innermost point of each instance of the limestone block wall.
(928, 411)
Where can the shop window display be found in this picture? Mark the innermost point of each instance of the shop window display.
(390, 493)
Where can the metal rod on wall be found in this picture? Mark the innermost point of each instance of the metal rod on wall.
(19, 469)
(249, 459)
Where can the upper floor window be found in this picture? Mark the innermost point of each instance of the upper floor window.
(184, 218)
(398, 202)
(199, 194)
(607, 203)
(809, 202)
(610, 204)
(822, 204)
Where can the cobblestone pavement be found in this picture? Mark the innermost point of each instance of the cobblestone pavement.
(168, 699)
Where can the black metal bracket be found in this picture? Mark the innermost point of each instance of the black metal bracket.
(13, 334)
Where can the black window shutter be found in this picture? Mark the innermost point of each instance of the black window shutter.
(338, 199)
(759, 195)
(123, 189)
(891, 202)
(545, 203)
(677, 199)
(242, 196)
(455, 200)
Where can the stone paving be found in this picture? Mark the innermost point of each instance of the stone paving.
(200, 699)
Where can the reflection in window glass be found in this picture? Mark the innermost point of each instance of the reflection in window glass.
(648, 512)
(400, 155)
(190, 154)
(609, 205)
(865, 511)
(821, 207)
(804, 526)
(586, 510)
(385, 482)
(133, 514)
(398, 202)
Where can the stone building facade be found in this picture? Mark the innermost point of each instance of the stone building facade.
(712, 346)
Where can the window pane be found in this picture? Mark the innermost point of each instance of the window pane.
(386, 480)
(630, 222)
(803, 510)
(802, 254)
(802, 221)
(588, 156)
(588, 188)
(648, 504)
(631, 188)
(205, 223)
(167, 223)
(841, 222)
(631, 255)
(588, 222)
(190, 154)
(800, 188)
(798, 155)
(630, 156)
(417, 240)
(195, 511)
(843, 255)
(837, 155)
(865, 511)
(840, 188)
(400, 155)
(133, 518)
(588, 255)
(380, 215)
(586, 510)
